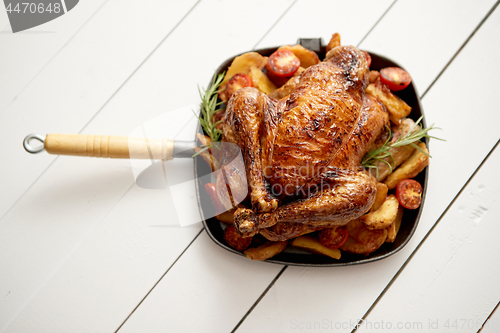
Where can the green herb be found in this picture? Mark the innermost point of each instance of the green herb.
(209, 106)
(410, 138)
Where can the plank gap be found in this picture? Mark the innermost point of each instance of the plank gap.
(376, 23)
(260, 298)
(159, 280)
(461, 47)
(491, 314)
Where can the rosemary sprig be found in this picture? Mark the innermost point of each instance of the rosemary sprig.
(203, 148)
(381, 153)
(209, 106)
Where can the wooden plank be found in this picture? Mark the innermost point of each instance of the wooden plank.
(69, 91)
(20, 64)
(451, 281)
(47, 257)
(343, 295)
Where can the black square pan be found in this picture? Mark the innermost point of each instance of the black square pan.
(297, 257)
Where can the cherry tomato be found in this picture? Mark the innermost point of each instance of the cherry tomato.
(234, 239)
(368, 58)
(277, 80)
(333, 238)
(395, 78)
(211, 189)
(237, 82)
(409, 193)
(282, 63)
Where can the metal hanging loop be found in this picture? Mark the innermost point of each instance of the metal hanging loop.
(29, 148)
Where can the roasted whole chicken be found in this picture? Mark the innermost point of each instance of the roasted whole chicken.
(302, 153)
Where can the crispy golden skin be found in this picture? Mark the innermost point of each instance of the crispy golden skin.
(293, 147)
(250, 116)
(372, 121)
(319, 117)
(342, 196)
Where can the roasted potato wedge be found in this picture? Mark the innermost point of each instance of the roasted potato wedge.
(205, 154)
(207, 157)
(266, 250)
(241, 64)
(261, 81)
(399, 154)
(410, 168)
(204, 139)
(380, 196)
(384, 216)
(392, 230)
(363, 240)
(307, 57)
(313, 245)
(374, 75)
(397, 108)
(334, 42)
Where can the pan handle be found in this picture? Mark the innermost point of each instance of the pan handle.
(102, 146)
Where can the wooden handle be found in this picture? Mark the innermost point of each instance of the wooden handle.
(108, 146)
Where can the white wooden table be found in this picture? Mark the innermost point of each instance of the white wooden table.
(84, 249)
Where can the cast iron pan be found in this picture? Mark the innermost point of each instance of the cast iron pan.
(295, 256)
